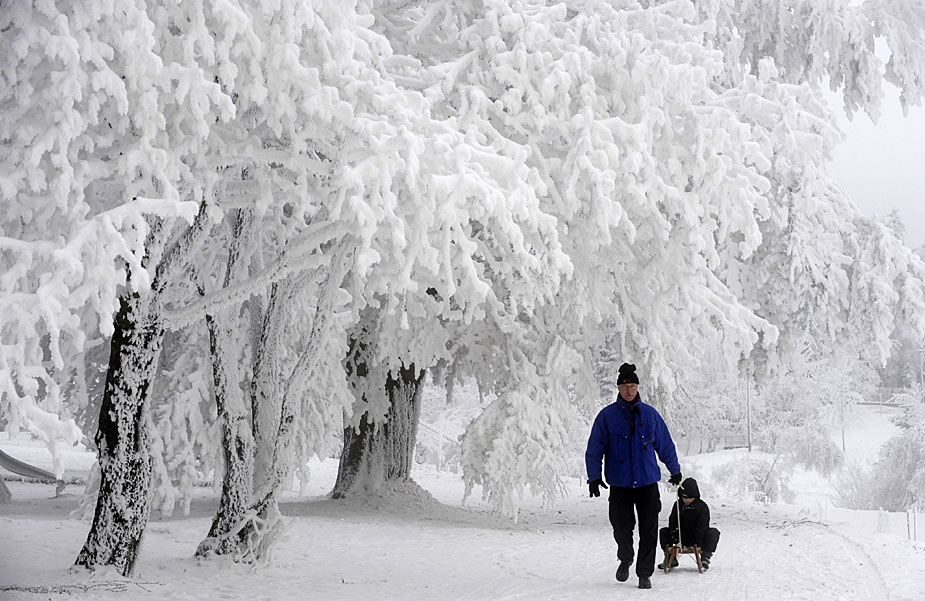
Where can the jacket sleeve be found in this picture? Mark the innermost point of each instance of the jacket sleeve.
(664, 446)
(702, 523)
(597, 445)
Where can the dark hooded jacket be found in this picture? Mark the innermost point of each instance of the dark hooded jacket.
(695, 518)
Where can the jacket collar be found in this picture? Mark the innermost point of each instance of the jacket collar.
(634, 403)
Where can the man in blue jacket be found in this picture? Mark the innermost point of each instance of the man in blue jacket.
(627, 435)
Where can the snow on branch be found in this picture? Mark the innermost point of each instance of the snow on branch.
(519, 442)
(301, 254)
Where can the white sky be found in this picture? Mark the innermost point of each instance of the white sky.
(882, 167)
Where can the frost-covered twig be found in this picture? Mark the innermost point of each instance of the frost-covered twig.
(114, 586)
(291, 261)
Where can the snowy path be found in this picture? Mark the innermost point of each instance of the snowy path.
(408, 550)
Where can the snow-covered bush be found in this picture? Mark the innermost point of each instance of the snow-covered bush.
(517, 444)
(896, 480)
(760, 477)
(855, 487)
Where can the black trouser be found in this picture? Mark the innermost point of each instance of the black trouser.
(647, 504)
(708, 545)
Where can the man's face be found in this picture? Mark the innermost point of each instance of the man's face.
(628, 391)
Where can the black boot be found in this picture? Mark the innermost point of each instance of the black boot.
(623, 572)
(705, 560)
(644, 582)
(674, 564)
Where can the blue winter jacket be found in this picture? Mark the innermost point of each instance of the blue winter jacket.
(627, 441)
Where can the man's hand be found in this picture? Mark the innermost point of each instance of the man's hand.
(593, 487)
(675, 479)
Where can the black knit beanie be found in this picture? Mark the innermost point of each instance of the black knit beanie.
(627, 374)
(689, 489)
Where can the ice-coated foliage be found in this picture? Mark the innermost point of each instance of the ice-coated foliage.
(712, 411)
(793, 411)
(185, 447)
(85, 169)
(823, 42)
(447, 408)
(516, 445)
(758, 476)
(520, 441)
(612, 110)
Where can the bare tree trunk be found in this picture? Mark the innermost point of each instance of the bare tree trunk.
(122, 439)
(377, 454)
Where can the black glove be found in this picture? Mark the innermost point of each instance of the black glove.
(675, 479)
(593, 487)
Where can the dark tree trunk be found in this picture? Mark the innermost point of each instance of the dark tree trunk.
(122, 439)
(401, 430)
(377, 454)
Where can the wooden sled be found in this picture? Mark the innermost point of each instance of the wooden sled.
(672, 553)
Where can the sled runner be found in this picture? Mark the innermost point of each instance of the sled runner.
(673, 551)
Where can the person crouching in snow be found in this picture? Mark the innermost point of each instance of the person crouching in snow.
(695, 524)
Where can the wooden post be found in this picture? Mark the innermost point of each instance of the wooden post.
(748, 413)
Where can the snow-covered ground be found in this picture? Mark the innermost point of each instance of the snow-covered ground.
(438, 549)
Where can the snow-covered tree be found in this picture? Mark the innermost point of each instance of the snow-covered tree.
(607, 109)
(683, 161)
(155, 122)
(92, 189)
(80, 182)
(714, 408)
(349, 182)
(822, 42)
